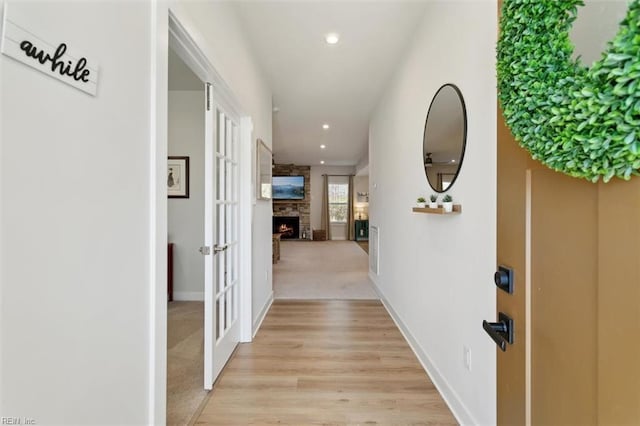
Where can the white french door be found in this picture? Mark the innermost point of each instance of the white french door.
(222, 325)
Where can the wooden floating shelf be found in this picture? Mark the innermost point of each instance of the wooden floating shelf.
(457, 208)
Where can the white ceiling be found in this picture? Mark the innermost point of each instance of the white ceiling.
(314, 82)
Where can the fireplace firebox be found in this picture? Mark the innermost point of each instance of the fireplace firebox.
(287, 226)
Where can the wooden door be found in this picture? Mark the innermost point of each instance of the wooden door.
(619, 303)
(512, 371)
(548, 235)
(574, 247)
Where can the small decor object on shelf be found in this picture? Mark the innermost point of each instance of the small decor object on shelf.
(421, 202)
(447, 203)
(434, 201)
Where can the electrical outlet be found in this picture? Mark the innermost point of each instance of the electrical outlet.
(466, 357)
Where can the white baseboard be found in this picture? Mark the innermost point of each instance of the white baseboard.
(263, 313)
(188, 296)
(451, 398)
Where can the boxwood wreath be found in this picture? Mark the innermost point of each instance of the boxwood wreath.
(581, 121)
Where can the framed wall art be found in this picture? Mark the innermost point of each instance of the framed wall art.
(178, 177)
(263, 171)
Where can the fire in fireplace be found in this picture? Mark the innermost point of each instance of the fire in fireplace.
(287, 226)
(284, 229)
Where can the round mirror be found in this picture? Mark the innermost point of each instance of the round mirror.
(445, 138)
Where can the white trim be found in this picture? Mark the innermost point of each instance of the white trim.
(157, 407)
(263, 313)
(188, 296)
(374, 247)
(2, 9)
(527, 304)
(246, 196)
(451, 398)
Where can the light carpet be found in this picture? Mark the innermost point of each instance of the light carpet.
(322, 270)
(185, 361)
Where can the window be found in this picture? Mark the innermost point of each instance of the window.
(338, 197)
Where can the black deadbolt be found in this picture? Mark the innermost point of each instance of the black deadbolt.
(504, 279)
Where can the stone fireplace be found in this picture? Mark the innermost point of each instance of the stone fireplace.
(287, 226)
(300, 209)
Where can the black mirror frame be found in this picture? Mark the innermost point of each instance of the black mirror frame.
(464, 136)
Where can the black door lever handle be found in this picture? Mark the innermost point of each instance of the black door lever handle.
(501, 332)
(495, 330)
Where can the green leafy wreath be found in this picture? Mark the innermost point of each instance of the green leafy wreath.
(581, 121)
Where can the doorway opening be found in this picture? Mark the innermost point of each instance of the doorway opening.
(207, 178)
(186, 222)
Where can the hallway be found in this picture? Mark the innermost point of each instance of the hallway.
(317, 85)
(325, 362)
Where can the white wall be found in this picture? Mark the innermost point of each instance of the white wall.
(74, 220)
(363, 164)
(186, 215)
(435, 271)
(77, 210)
(215, 27)
(316, 189)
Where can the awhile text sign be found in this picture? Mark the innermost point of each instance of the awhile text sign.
(55, 60)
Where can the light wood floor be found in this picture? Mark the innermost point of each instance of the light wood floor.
(325, 362)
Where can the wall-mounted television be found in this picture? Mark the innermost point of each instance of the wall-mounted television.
(288, 188)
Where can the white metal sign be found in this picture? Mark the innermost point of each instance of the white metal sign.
(55, 60)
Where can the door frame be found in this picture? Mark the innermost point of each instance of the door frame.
(171, 24)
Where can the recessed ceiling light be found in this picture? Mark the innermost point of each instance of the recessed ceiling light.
(453, 161)
(332, 38)
(321, 161)
(325, 126)
(323, 146)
